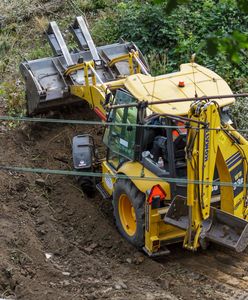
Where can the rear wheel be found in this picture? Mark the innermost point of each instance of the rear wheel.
(128, 204)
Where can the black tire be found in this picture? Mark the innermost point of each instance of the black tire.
(137, 199)
(87, 185)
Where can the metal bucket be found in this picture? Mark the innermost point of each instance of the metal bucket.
(225, 229)
(221, 227)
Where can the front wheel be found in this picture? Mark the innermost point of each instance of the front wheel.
(128, 204)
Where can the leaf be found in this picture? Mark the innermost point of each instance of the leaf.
(212, 46)
(171, 4)
(243, 5)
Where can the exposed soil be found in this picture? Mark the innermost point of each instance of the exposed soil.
(58, 244)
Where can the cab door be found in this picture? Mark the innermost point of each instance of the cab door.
(121, 139)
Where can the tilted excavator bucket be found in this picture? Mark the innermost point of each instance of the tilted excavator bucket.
(213, 144)
(47, 85)
(227, 230)
(221, 227)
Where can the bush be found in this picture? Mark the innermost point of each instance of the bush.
(178, 35)
(169, 40)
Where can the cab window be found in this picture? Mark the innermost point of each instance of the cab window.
(118, 138)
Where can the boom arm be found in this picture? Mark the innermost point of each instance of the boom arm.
(212, 144)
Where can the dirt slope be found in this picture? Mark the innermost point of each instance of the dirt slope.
(58, 244)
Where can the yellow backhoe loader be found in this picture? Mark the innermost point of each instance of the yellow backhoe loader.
(175, 168)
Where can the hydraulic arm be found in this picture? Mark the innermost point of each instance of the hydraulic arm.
(211, 145)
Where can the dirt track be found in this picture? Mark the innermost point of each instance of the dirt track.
(58, 244)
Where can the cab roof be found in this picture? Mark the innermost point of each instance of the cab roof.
(193, 78)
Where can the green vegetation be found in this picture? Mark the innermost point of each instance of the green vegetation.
(166, 39)
(181, 33)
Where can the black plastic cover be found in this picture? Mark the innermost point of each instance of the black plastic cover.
(82, 147)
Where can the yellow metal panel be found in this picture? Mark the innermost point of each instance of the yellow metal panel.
(108, 181)
(136, 169)
(196, 78)
(94, 95)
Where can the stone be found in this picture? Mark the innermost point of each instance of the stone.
(41, 182)
(139, 260)
(129, 260)
(40, 221)
(120, 285)
(23, 206)
(117, 286)
(88, 250)
(164, 283)
(123, 285)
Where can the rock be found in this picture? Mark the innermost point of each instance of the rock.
(65, 282)
(20, 187)
(123, 285)
(3, 128)
(48, 255)
(164, 283)
(93, 245)
(139, 260)
(12, 283)
(41, 182)
(23, 206)
(120, 285)
(129, 260)
(107, 276)
(59, 210)
(41, 231)
(40, 221)
(35, 203)
(66, 273)
(52, 284)
(233, 282)
(245, 278)
(8, 272)
(88, 250)
(117, 286)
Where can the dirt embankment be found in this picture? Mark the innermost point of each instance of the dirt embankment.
(58, 244)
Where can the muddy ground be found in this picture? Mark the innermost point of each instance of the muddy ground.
(58, 244)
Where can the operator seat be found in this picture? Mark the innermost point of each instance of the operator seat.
(179, 155)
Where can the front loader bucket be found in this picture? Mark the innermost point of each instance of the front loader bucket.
(46, 84)
(221, 228)
(225, 229)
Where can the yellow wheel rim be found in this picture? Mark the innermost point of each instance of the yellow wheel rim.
(127, 215)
